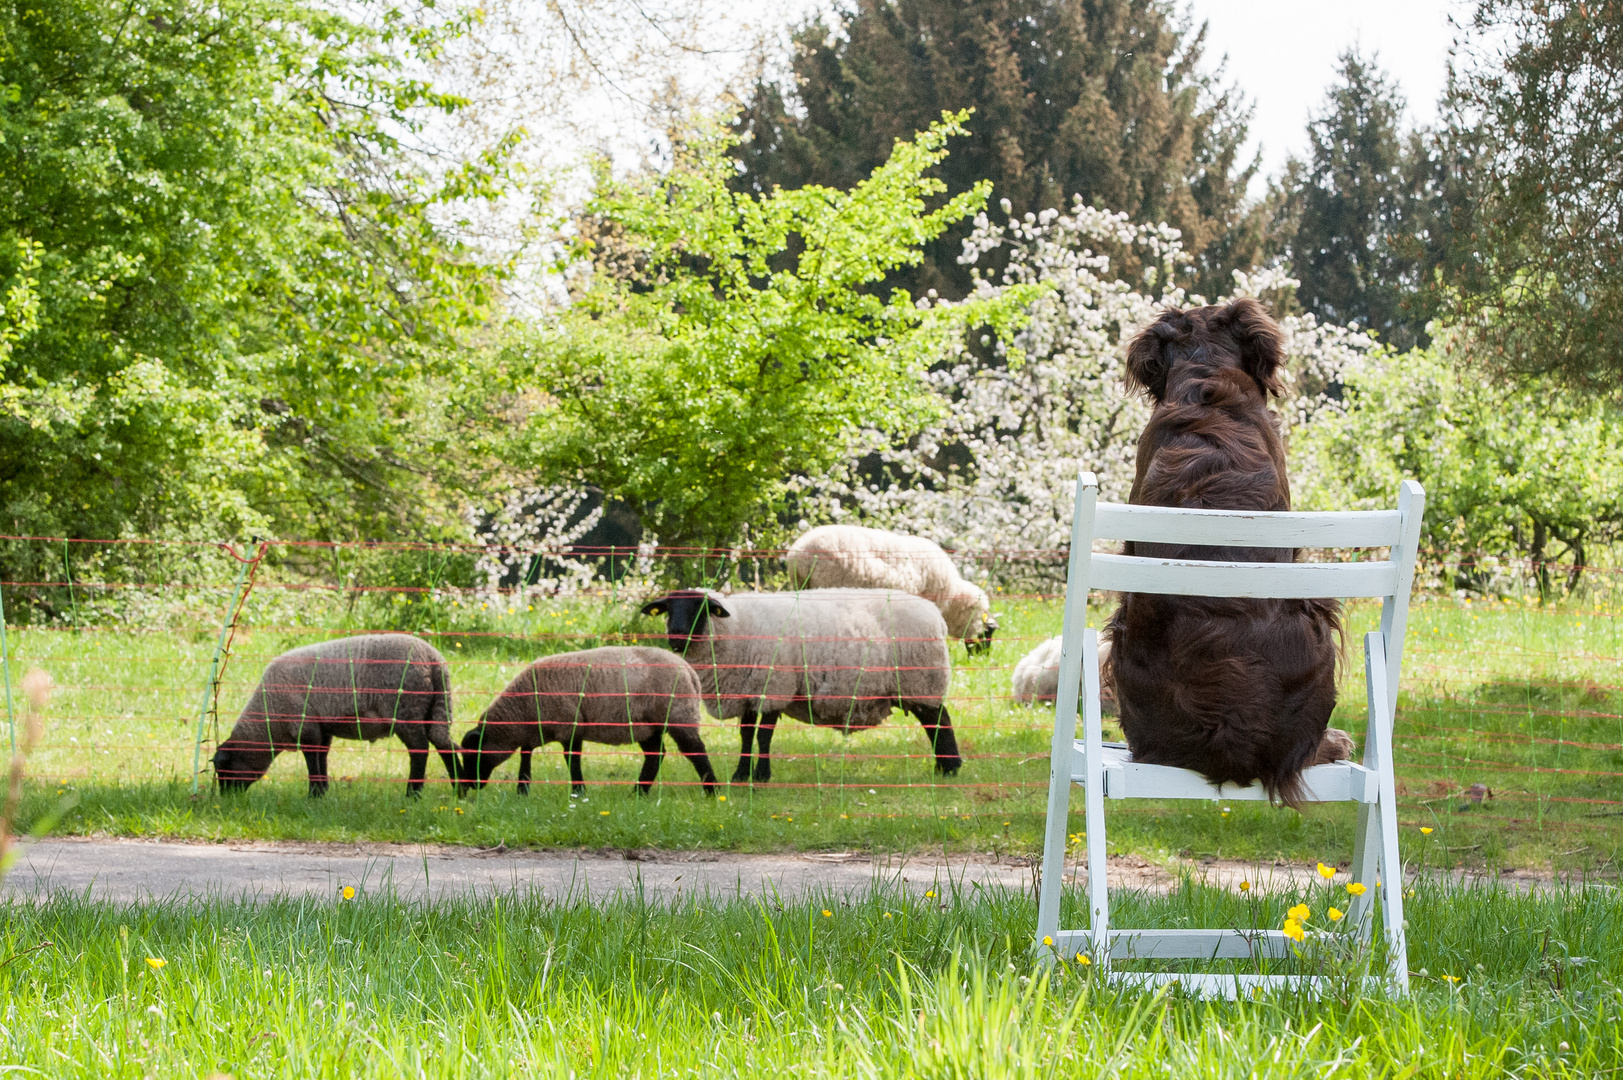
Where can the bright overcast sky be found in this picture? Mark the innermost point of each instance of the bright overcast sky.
(1283, 54)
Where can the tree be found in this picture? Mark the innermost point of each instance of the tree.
(1021, 413)
(1354, 220)
(1534, 276)
(725, 342)
(1103, 98)
(1523, 480)
(242, 299)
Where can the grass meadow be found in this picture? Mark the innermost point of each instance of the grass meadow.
(880, 985)
(1523, 699)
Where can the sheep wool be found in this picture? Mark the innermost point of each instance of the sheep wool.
(1036, 676)
(614, 695)
(365, 687)
(855, 557)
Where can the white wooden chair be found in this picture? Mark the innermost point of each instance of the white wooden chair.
(1108, 771)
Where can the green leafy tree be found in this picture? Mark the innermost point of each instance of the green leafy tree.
(1102, 98)
(241, 303)
(1534, 275)
(1517, 475)
(727, 342)
(1355, 220)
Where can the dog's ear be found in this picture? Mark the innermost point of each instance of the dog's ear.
(1147, 364)
(1261, 343)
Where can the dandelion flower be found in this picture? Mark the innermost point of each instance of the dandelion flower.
(1245, 886)
(1357, 888)
(1425, 830)
(721, 798)
(1046, 941)
(827, 914)
(155, 964)
(347, 892)
(1326, 872)
(602, 813)
(1299, 913)
(1294, 931)
(1335, 914)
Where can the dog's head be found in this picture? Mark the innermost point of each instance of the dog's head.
(1175, 356)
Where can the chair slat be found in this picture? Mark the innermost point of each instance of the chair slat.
(1193, 577)
(1124, 778)
(1238, 528)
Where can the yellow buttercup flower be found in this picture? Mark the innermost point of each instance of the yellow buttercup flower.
(1335, 914)
(1294, 931)
(1083, 959)
(1245, 886)
(1326, 872)
(602, 813)
(1299, 913)
(1048, 941)
(827, 914)
(348, 892)
(1425, 830)
(1357, 888)
(930, 895)
(154, 963)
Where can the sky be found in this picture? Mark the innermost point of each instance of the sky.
(1283, 55)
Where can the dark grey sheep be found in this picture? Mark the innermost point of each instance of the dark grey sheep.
(616, 695)
(366, 687)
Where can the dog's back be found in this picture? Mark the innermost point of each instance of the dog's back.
(1237, 689)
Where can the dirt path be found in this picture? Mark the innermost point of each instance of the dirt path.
(128, 870)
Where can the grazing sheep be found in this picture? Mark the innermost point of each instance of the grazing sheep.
(366, 687)
(853, 557)
(1036, 676)
(615, 695)
(831, 657)
(1238, 689)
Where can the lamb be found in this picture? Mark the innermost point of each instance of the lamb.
(831, 657)
(615, 695)
(1036, 676)
(853, 557)
(366, 687)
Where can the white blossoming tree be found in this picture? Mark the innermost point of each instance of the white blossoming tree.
(994, 478)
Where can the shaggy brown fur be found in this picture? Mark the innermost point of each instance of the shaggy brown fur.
(1239, 690)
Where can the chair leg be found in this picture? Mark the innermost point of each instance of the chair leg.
(1057, 828)
(1094, 800)
(1379, 831)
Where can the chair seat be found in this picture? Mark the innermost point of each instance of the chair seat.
(1342, 781)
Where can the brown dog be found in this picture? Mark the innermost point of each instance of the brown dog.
(1237, 689)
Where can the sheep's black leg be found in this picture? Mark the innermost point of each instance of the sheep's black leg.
(577, 782)
(447, 752)
(524, 770)
(315, 762)
(746, 739)
(938, 729)
(763, 746)
(653, 752)
(418, 755)
(692, 747)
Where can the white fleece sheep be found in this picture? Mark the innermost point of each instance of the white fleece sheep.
(831, 657)
(1036, 676)
(854, 557)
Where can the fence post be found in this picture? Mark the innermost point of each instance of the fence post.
(5, 661)
(214, 668)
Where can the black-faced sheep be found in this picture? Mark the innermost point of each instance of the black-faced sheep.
(615, 695)
(367, 687)
(854, 557)
(832, 657)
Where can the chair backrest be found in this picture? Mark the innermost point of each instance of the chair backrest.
(1390, 579)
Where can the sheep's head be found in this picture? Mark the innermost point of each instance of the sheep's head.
(238, 764)
(477, 762)
(687, 615)
(978, 639)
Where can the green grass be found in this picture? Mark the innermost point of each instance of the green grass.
(1527, 700)
(885, 984)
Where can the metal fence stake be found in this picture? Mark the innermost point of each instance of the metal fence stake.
(214, 668)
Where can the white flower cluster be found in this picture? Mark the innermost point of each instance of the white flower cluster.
(994, 478)
(526, 541)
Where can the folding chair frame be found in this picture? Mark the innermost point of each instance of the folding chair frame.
(1108, 770)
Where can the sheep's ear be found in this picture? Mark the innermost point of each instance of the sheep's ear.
(657, 607)
(1261, 343)
(715, 607)
(1147, 355)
